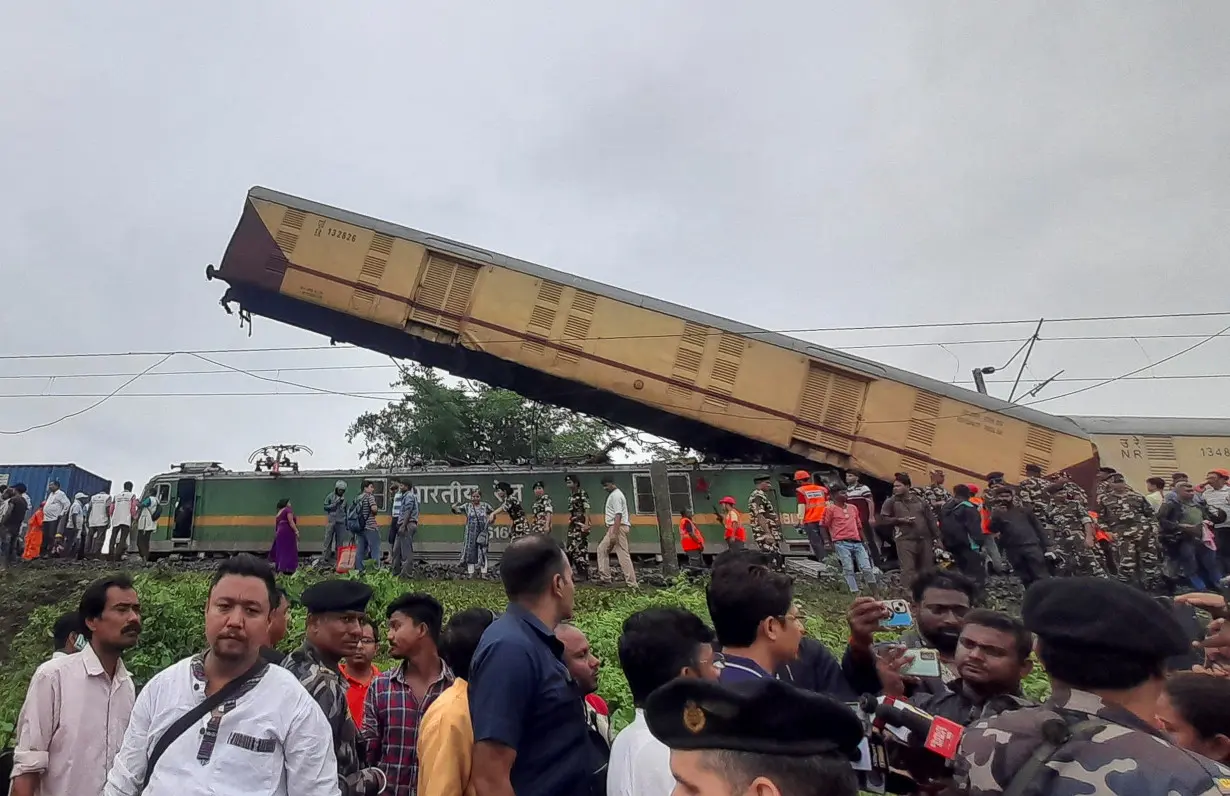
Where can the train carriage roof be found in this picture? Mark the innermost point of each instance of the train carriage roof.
(865, 366)
(1155, 426)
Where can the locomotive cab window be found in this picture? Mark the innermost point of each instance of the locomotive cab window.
(162, 492)
(378, 492)
(680, 491)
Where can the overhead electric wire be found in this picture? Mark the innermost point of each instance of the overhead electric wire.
(748, 332)
(94, 405)
(1162, 361)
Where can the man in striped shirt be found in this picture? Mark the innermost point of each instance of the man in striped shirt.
(397, 699)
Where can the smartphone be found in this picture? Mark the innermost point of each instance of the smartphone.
(923, 663)
(900, 617)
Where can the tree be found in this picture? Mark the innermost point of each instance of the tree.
(436, 421)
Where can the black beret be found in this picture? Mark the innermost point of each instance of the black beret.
(1102, 615)
(761, 478)
(764, 716)
(539, 485)
(336, 596)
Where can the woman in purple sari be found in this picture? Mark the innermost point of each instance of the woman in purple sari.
(285, 550)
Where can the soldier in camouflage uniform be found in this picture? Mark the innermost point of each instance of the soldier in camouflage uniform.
(1031, 492)
(577, 545)
(1128, 517)
(1103, 481)
(315, 664)
(766, 524)
(1097, 739)
(1074, 528)
(936, 494)
(543, 510)
(510, 505)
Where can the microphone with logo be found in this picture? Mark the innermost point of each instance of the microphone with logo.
(917, 748)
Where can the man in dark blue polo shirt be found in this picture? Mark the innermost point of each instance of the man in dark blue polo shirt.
(756, 619)
(530, 732)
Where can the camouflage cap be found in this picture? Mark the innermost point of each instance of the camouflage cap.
(764, 716)
(1101, 614)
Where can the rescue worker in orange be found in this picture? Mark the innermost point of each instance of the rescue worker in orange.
(34, 535)
(691, 539)
(813, 499)
(736, 534)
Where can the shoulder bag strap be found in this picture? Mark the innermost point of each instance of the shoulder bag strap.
(1027, 774)
(196, 714)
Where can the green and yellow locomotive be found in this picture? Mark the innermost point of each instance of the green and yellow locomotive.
(207, 509)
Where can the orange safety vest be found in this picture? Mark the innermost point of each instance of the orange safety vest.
(983, 512)
(735, 531)
(692, 542)
(813, 498)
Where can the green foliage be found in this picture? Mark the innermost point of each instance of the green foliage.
(435, 421)
(174, 628)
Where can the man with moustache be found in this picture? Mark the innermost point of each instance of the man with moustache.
(225, 721)
(334, 627)
(940, 601)
(78, 706)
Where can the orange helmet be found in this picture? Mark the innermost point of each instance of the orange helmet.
(728, 499)
(801, 475)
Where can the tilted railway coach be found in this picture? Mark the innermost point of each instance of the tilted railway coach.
(207, 509)
(734, 391)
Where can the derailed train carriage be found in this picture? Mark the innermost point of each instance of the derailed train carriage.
(207, 509)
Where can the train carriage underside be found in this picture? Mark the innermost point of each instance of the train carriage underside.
(729, 390)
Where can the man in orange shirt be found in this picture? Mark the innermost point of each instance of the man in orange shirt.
(813, 499)
(692, 540)
(359, 671)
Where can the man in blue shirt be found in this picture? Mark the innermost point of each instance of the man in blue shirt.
(755, 617)
(530, 734)
(406, 525)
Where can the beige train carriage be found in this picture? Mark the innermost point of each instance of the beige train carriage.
(723, 387)
(1141, 447)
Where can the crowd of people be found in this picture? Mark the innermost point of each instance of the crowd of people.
(494, 704)
(1176, 537)
(83, 526)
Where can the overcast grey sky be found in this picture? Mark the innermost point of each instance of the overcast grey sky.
(897, 162)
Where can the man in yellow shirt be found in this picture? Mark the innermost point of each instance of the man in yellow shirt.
(446, 737)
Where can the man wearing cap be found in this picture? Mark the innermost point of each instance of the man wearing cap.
(735, 533)
(1074, 530)
(758, 737)
(1129, 518)
(813, 499)
(335, 520)
(936, 494)
(1104, 645)
(542, 509)
(766, 524)
(335, 608)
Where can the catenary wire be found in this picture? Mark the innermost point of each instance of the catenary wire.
(747, 331)
(94, 405)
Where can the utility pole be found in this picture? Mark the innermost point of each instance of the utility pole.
(1025, 361)
(659, 483)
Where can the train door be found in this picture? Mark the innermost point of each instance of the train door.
(185, 509)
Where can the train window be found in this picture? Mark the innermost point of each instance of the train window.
(378, 490)
(163, 491)
(680, 489)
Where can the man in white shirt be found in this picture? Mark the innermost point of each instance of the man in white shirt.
(97, 519)
(616, 539)
(657, 645)
(75, 529)
(55, 515)
(73, 720)
(123, 512)
(268, 737)
(1217, 495)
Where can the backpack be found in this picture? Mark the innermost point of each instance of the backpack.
(356, 518)
(155, 511)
